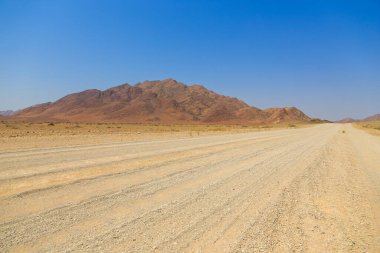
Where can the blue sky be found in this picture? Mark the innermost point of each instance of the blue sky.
(320, 56)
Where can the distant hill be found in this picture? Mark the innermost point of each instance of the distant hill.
(165, 101)
(372, 118)
(350, 120)
(7, 113)
(346, 120)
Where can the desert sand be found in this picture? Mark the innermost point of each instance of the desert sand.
(312, 189)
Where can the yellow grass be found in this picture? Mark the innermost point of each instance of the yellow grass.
(372, 127)
(18, 129)
(16, 135)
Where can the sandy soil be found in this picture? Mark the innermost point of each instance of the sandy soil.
(313, 189)
(15, 135)
(372, 127)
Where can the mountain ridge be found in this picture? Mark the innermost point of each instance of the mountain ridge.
(351, 120)
(160, 101)
(7, 113)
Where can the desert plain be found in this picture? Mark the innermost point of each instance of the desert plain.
(67, 187)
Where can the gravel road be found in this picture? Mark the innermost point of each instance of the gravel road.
(314, 189)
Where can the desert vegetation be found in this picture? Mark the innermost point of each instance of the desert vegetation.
(372, 127)
(19, 134)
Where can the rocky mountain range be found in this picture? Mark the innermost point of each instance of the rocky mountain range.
(163, 101)
(7, 113)
(350, 120)
(372, 118)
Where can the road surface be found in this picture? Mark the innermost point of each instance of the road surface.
(314, 189)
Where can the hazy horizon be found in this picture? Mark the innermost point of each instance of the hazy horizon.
(323, 58)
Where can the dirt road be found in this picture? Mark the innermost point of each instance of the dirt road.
(313, 189)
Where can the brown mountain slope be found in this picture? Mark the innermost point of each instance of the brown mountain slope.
(288, 114)
(372, 118)
(350, 120)
(346, 120)
(7, 113)
(166, 101)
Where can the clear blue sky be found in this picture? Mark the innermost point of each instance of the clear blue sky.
(321, 56)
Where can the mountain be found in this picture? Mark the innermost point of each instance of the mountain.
(346, 120)
(350, 120)
(7, 113)
(165, 101)
(372, 118)
(288, 114)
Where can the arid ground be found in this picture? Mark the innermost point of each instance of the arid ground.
(105, 188)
